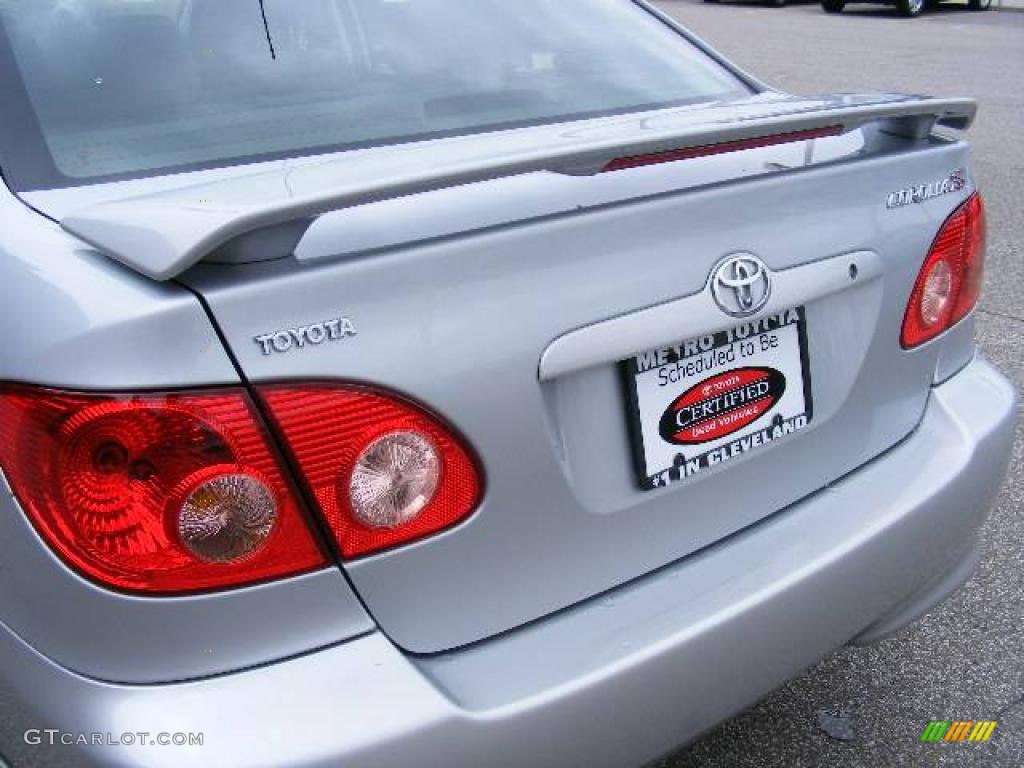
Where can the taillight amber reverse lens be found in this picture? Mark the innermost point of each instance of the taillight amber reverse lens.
(164, 494)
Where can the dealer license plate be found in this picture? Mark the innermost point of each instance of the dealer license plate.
(712, 399)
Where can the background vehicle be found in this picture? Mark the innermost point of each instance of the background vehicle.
(237, 289)
(906, 7)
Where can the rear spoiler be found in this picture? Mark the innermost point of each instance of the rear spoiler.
(264, 215)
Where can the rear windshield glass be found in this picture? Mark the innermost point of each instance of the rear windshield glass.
(107, 89)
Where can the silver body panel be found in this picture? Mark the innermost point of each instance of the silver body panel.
(616, 681)
(80, 321)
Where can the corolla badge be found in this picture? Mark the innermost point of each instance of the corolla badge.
(741, 284)
(956, 181)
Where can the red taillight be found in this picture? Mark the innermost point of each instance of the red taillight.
(158, 493)
(721, 148)
(382, 471)
(949, 282)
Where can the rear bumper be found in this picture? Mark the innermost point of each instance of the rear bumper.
(618, 680)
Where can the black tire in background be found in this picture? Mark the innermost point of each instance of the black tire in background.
(979, 5)
(910, 7)
(833, 6)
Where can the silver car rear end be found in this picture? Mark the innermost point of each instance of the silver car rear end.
(506, 283)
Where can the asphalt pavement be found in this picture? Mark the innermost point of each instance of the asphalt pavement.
(965, 661)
